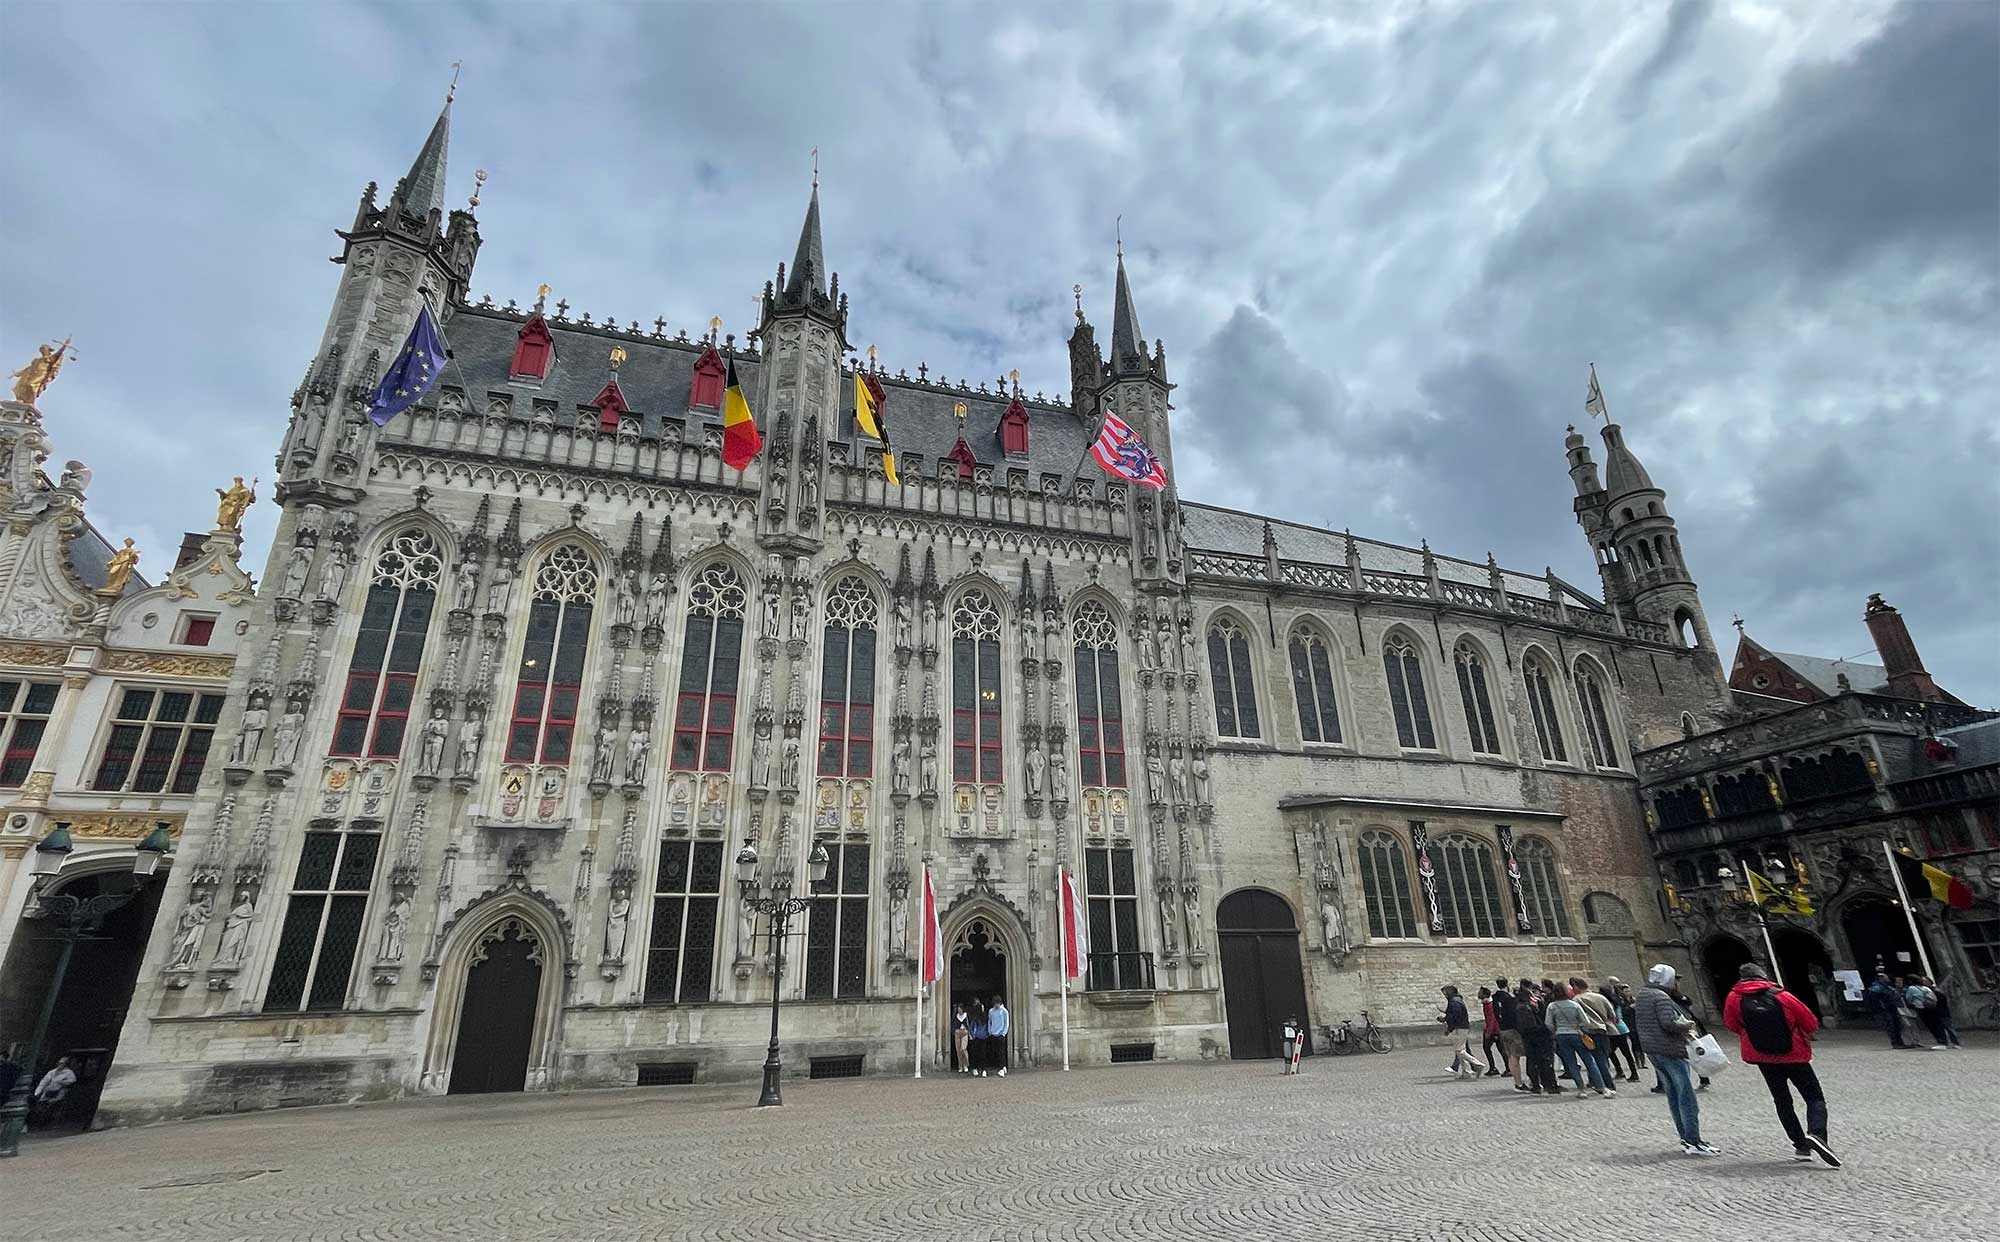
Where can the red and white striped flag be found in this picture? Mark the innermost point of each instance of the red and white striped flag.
(1119, 450)
(1076, 936)
(933, 939)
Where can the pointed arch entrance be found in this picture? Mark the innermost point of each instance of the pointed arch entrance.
(501, 975)
(986, 955)
(1263, 979)
(496, 1021)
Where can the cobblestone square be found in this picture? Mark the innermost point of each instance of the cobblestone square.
(1376, 1147)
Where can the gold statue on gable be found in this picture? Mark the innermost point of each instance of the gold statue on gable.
(118, 570)
(31, 381)
(234, 500)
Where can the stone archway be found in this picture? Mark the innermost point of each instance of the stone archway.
(986, 949)
(1804, 967)
(523, 933)
(1263, 977)
(1721, 955)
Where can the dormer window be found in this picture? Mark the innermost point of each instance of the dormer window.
(1014, 429)
(534, 351)
(705, 392)
(611, 406)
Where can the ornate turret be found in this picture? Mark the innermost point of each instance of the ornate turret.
(799, 390)
(1086, 365)
(421, 191)
(1135, 387)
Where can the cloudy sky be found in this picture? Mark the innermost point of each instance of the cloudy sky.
(1382, 243)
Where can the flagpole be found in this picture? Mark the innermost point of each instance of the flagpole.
(924, 964)
(1909, 911)
(1062, 952)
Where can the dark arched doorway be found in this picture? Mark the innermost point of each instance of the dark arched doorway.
(96, 990)
(1263, 981)
(1879, 936)
(978, 966)
(1721, 956)
(1804, 966)
(496, 1024)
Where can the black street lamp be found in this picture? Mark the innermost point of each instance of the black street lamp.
(72, 918)
(780, 908)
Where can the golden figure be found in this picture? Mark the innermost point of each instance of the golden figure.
(119, 568)
(34, 379)
(235, 499)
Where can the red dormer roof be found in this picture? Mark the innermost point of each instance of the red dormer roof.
(961, 453)
(534, 350)
(1014, 428)
(705, 392)
(611, 405)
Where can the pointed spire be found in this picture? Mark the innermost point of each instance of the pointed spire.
(808, 270)
(422, 191)
(1128, 343)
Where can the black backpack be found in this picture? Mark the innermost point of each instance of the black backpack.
(1765, 1023)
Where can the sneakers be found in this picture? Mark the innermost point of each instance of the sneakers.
(1937, 1047)
(1659, 1090)
(1608, 1094)
(1820, 1149)
(1700, 1149)
(1003, 1072)
(1493, 1073)
(1803, 1155)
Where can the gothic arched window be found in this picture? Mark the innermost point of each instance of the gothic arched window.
(543, 725)
(1406, 695)
(1229, 671)
(1472, 692)
(389, 648)
(711, 649)
(1541, 886)
(975, 689)
(1385, 883)
(1542, 706)
(1100, 714)
(1312, 687)
(1467, 897)
(1597, 731)
(847, 680)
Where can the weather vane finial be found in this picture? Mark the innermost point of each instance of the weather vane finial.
(815, 168)
(1118, 233)
(1078, 291)
(451, 92)
(478, 184)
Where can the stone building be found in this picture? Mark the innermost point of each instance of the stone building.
(111, 692)
(549, 667)
(1825, 761)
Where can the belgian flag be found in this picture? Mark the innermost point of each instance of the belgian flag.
(871, 416)
(1921, 879)
(740, 439)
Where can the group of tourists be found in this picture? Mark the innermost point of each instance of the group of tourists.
(1592, 1028)
(1911, 1008)
(979, 1038)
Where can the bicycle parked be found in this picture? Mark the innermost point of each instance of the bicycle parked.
(1348, 1037)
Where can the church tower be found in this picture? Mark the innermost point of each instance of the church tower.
(394, 256)
(1634, 539)
(803, 333)
(1134, 387)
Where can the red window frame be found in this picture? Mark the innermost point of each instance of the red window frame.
(1100, 735)
(847, 707)
(975, 732)
(200, 630)
(705, 712)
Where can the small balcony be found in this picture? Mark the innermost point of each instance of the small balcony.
(1118, 972)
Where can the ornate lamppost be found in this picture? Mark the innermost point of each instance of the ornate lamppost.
(71, 918)
(780, 908)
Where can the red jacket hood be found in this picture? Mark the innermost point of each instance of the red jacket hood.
(1804, 1024)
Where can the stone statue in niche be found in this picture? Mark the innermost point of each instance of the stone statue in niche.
(1331, 924)
(637, 747)
(501, 588)
(465, 586)
(1168, 941)
(187, 933)
(899, 928)
(1059, 775)
(468, 746)
(333, 571)
(350, 437)
(902, 621)
(1187, 639)
(430, 761)
(1177, 777)
(802, 613)
(770, 622)
(1163, 631)
(1152, 544)
(929, 769)
(657, 592)
(930, 622)
(746, 933)
(788, 765)
(236, 930)
(297, 570)
(606, 756)
(291, 727)
(1145, 641)
(1037, 771)
(250, 738)
(1156, 776)
(1203, 794)
(395, 928)
(900, 767)
(1191, 906)
(615, 921)
(625, 604)
(760, 759)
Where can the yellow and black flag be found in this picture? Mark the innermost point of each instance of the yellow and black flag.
(871, 416)
(1779, 900)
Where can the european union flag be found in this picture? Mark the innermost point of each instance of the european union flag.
(413, 373)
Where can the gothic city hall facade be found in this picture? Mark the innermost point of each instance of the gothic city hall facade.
(536, 695)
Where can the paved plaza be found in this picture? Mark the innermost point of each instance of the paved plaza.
(1377, 1147)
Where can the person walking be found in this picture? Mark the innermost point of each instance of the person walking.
(1945, 1027)
(1664, 1029)
(996, 1031)
(1884, 999)
(1776, 1030)
(1620, 1037)
(1923, 1003)
(1686, 1003)
(1491, 1016)
(1506, 1012)
(1458, 1024)
(1627, 1013)
(961, 1035)
(1567, 1021)
(976, 1039)
(1600, 1026)
(1538, 1044)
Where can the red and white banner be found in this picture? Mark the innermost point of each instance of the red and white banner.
(1076, 937)
(933, 939)
(1120, 451)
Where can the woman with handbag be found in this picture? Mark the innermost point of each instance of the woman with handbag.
(1664, 1031)
(1576, 1043)
(1601, 1026)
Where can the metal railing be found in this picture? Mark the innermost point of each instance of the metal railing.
(1118, 972)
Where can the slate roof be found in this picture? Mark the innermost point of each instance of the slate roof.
(1978, 743)
(1823, 675)
(658, 373)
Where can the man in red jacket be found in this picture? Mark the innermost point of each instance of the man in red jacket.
(1777, 1031)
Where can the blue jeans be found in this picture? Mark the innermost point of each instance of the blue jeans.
(1570, 1048)
(1677, 1076)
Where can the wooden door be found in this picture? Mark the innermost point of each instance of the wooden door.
(496, 1025)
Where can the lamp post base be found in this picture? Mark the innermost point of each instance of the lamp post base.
(771, 1097)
